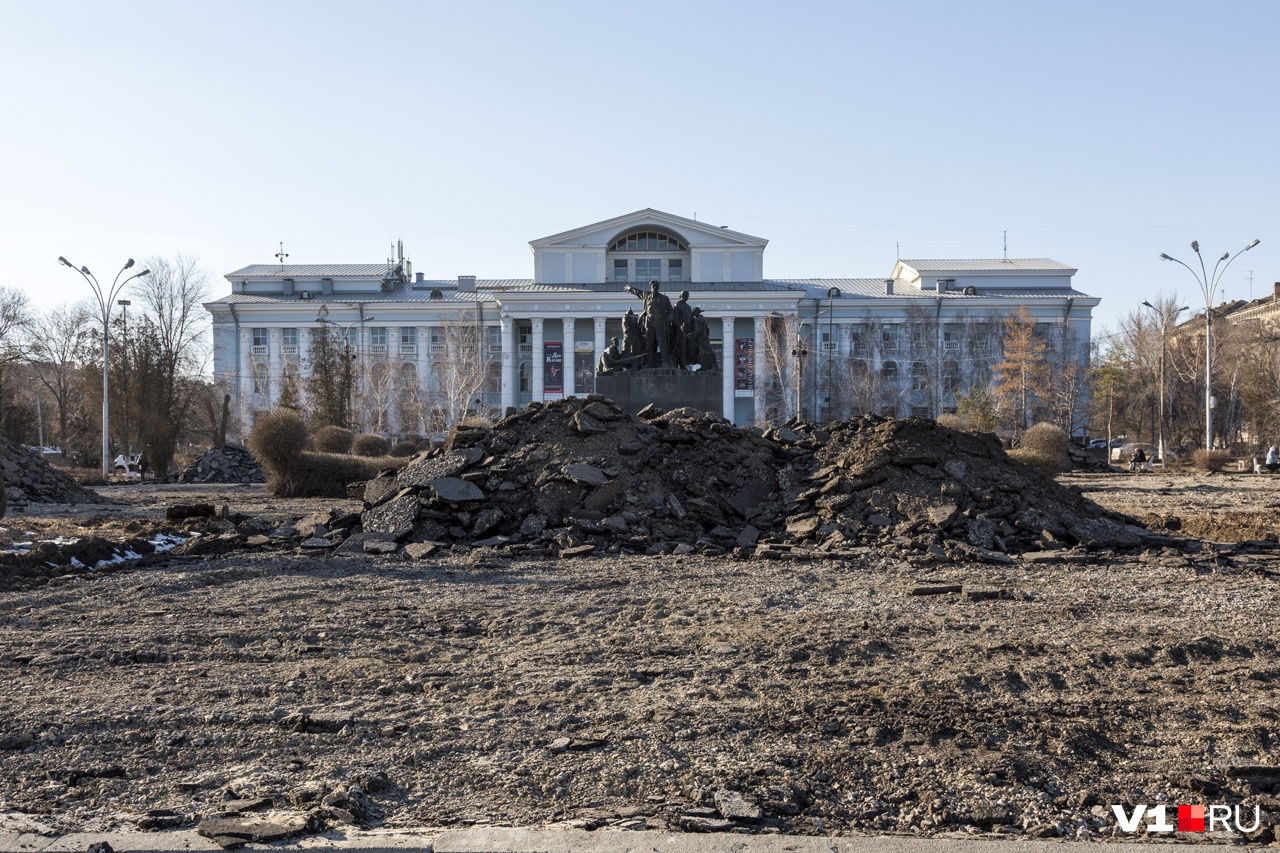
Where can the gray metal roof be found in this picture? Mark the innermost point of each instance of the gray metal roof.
(873, 288)
(996, 265)
(310, 271)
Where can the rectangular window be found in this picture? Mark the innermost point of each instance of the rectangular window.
(352, 341)
(495, 338)
(378, 336)
(649, 269)
(408, 336)
(889, 338)
(259, 338)
(619, 270)
(289, 337)
(675, 270)
(950, 340)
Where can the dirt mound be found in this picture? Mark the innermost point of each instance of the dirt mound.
(28, 478)
(917, 485)
(230, 463)
(577, 476)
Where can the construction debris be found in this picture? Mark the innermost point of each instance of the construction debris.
(230, 463)
(579, 476)
(28, 478)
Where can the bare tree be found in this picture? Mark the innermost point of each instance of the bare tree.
(175, 330)
(783, 367)
(15, 317)
(457, 380)
(59, 346)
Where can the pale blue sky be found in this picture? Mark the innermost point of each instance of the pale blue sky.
(1097, 134)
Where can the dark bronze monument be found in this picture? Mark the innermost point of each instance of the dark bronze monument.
(665, 357)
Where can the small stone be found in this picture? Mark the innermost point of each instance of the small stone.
(586, 475)
(316, 542)
(421, 550)
(732, 806)
(379, 546)
(453, 490)
(935, 589)
(577, 551)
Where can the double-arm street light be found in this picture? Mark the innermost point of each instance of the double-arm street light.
(323, 319)
(1208, 284)
(1164, 334)
(106, 299)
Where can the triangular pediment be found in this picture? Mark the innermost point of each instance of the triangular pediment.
(601, 234)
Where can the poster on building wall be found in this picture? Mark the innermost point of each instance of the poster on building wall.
(744, 364)
(584, 372)
(553, 369)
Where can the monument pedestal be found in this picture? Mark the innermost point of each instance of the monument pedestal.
(667, 388)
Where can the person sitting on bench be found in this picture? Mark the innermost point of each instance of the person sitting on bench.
(1273, 459)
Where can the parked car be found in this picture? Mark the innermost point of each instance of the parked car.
(1124, 452)
(1098, 444)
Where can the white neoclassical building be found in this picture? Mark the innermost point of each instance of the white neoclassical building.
(902, 343)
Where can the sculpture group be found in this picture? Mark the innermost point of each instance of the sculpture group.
(663, 335)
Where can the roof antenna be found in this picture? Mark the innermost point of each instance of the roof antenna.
(1006, 245)
(897, 250)
(281, 255)
(1250, 285)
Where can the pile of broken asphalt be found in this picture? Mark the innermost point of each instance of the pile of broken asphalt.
(579, 476)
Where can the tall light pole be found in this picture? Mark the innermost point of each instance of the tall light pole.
(1208, 284)
(828, 365)
(1164, 333)
(105, 301)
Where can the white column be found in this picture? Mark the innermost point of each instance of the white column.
(539, 361)
(566, 351)
(508, 363)
(424, 361)
(275, 368)
(728, 365)
(760, 359)
(846, 340)
(601, 343)
(246, 378)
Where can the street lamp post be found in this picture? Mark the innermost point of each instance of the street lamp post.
(1164, 333)
(1208, 284)
(800, 352)
(831, 347)
(105, 301)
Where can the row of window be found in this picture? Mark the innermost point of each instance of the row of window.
(379, 338)
(951, 375)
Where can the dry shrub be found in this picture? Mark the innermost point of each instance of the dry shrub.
(371, 445)
(1209, 461)
(1044, 448)
(333, 439)
(326, 475)
(955, 422)
(277, 439)
(405, 448)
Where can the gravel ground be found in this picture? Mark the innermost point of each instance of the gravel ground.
(694, 693)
